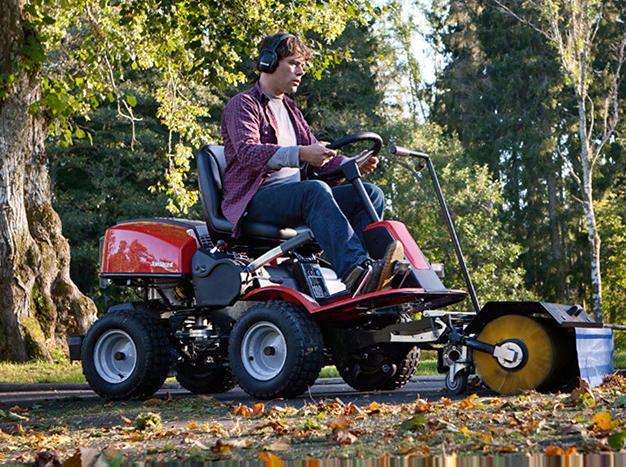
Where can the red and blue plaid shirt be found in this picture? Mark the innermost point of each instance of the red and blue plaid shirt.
(249, 134)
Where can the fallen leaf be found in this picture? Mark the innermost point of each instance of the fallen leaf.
(340, 423)
(553, 451)
(278, 445)
(48, 457)
(603, 421)
(616, 440)
(73, 461)
(199, 444)
(583, 394)
(16, 417)
(192, 426)
(215, 428)
(422, 405)
(153, 402)
(258, 409)
(345, 437)
(222, 449)
(271, 460)
(373, 408)
(468, 403)
(242, 410)
(445, 401)
(126, 420)
(147, 421)
(413, 423)
(351, 409)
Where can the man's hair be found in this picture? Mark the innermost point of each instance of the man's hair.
(292, 45)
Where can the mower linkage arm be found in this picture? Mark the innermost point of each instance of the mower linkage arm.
(424, 158)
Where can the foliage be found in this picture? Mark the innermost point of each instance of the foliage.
(205, 429)
(85, 51)
(99, 184)
(475, 202)
(611, 212)
(504, 93)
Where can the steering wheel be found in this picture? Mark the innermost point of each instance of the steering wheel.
(360, 158)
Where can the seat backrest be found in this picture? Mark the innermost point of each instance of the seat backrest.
(211, 168)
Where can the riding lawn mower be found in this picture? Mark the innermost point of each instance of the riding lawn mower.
(266, 311)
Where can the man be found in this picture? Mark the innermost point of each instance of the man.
(268, 143)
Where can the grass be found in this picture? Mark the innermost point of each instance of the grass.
(63, 371)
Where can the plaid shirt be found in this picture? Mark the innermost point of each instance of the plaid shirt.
(249, 135)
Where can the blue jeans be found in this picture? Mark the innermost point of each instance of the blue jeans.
(335, 215)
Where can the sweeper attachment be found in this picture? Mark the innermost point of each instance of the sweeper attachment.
(266, 311)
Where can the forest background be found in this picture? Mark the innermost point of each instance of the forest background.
(500, 120)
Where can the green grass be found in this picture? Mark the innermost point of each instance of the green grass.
(38, 371)
(63, 371)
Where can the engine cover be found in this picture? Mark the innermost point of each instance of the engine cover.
(161, 247)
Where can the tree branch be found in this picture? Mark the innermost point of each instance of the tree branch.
(507, 10)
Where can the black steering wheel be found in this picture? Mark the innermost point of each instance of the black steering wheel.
(360, 158)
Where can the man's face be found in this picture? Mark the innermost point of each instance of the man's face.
(288, 74)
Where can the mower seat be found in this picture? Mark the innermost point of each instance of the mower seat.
(211, 167)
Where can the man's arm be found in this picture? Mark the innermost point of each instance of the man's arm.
(335, 161)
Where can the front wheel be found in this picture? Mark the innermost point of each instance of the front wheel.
(458, 384)
(275, 350)
(125, 355)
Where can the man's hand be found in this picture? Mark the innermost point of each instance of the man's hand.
(316, 154)
(369, 166)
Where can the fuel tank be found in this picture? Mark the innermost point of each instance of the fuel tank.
(150, 247)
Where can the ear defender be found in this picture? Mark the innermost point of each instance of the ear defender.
(268, 59)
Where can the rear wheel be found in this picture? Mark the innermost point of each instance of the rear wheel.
(204, 379)
(535, 355)
(275, 350)
(125, 355)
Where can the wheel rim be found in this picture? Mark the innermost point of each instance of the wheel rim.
(263, 351)
(115, 356)
(528, 335)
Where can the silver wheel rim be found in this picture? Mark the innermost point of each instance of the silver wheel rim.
(263, 351)
(115, 356)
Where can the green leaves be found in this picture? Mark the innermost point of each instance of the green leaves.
(414, 423)
(616, 440)
(131, 100)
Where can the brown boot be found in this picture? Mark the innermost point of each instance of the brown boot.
(378, 274)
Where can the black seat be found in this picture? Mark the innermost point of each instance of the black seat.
(211, 167)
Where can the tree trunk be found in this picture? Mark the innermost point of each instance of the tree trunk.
(39, 304)
(590, 217)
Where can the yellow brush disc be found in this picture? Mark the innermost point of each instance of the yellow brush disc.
(540, 361)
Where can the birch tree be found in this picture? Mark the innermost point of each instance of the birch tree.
(571, 27)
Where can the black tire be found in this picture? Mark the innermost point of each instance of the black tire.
(152, 355)
(458, 385)
(368, 374)
(204, 379)
(302, 341)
